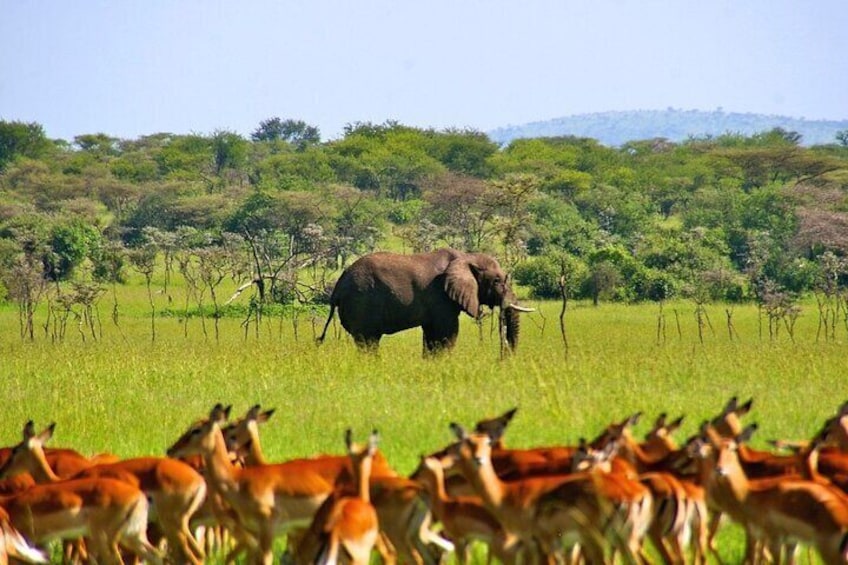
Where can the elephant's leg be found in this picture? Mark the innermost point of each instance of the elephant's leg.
(367, 343)
(440, 335)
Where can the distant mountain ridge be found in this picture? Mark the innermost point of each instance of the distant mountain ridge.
(617, 128)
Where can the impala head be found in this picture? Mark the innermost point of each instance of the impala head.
(28, 456)
(356, 450)
(199, 438)
(726, 450)
(240, 434)
(617, 432)
(836, 428)
(589, 458)
(495, 427)
(662, 430)
(362, 459)
(475, 448)
(728, 423)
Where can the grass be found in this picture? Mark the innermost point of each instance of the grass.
(129, 395)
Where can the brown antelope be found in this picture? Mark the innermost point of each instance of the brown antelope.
(267, 500)
(65, 462)
(13, 544)
(345, 528)
(107, 512)
(679, 509)
(779, 511)
(830, 463)
(509, 463)
(174, 489)
(464, 519)
(588, 509)
(404, 518)
(661, 448)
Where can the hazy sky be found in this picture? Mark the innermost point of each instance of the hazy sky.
(129, 68)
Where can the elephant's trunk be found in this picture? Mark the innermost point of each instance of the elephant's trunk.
(512, 323)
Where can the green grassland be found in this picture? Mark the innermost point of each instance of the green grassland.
(127, 394)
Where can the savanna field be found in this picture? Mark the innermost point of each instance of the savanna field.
(128, 394)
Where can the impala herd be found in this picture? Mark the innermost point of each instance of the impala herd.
(612, 499)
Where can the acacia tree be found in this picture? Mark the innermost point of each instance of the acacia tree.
(511, 197)
(296, 132)
(459, 205)
(20, 139)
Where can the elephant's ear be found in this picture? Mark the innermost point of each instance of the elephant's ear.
(461, 286)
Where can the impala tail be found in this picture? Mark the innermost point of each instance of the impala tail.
(16, 547)
(134, 532)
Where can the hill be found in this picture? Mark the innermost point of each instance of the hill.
(616, 128)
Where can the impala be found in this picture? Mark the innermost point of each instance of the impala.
(107, 512)
(779, 511)
(464, 519)
(174, 489)
(678, 508)
(267, 500)
(545, 512)
(13, 544)
(404, 519)
(345, 528)
(831, 463)
(509, 463)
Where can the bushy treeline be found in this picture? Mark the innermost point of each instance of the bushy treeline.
(720, 218)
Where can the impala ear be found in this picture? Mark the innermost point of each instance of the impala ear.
(495, 427)
(746, 434)
(29, 430)
(458, 431)
(47, 432)
(675, 425)
(373, 441)
(461, 286)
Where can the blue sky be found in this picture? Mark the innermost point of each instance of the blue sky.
(129, 68)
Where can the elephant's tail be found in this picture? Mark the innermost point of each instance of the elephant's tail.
(320, 339)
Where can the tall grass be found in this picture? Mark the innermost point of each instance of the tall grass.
(129, 395)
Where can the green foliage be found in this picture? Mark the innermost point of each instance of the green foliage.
(296, 132)
(302, 170)
(558, 225)
(19, 139)
(186, 157)
(712, 217)
(465, 152)
(229, 149)
(545, 276)
(71, 242)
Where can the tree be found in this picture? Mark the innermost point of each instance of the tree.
(98, 143)
(842, 137)
(297, 132)
(459, 206)
(22, 139)
(71, 242)
(465, 152)
(230, 151)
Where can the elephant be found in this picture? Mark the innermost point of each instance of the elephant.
(384, 293)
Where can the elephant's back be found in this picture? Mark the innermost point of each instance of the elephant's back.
(396, 271)
(388, 292)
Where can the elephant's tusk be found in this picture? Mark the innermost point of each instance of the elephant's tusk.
(521, 308)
